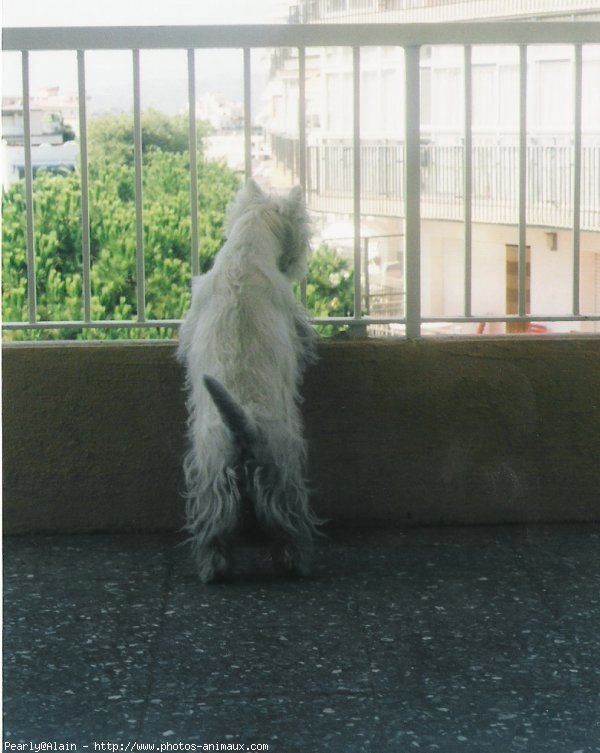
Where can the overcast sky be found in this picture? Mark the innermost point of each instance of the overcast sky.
(109, 74)
(132, 13)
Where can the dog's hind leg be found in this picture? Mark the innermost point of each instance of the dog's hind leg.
(282, 509)
(293, 556)
(212, 560)
(212, 519)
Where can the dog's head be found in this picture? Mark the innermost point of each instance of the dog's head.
(286, 217)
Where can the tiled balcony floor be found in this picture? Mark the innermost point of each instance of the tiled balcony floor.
(455, 639)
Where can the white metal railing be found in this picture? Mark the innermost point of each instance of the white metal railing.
(494, 198)
(245, 38)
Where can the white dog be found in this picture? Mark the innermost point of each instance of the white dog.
(245, 343)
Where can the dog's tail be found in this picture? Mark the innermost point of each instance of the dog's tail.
(232, 413)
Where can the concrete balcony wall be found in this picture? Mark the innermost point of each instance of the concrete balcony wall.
(428, 432)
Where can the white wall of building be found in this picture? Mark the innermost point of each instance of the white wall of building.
(551, 283)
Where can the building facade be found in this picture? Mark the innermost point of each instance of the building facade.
(54, 123)
(495, 154)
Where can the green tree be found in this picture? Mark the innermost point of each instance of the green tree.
(167, 230)
(329, 286)
(111, 136)
(167, 235)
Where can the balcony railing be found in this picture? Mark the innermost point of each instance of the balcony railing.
(412, 176)
(494, 195)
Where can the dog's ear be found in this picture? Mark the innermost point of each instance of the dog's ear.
(246, 196)
(296, 196)
(253, 190)
(297, 227)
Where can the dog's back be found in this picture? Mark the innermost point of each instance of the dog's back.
(242, 326)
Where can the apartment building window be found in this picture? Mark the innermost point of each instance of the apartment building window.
(495, 90)
(484, 96)
(447, 98)
(591, 97)
(392, 115)
(370, 115)
(508, 87)
(426, 97)
(339, 103)
(553, 95)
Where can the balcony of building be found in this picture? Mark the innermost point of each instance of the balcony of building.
(424, 11)
(494, 192)
(453, 606)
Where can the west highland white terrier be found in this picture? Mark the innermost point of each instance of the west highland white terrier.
(245, 343)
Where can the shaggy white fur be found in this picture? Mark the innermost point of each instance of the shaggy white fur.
(245, 343)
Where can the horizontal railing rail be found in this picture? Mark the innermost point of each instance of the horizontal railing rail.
(299, 37)
(311, 35)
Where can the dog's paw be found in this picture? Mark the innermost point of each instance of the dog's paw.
(211, 564)
(293, 559)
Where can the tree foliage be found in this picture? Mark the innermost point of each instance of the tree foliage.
(329, 286)
(112, 231)
(112, 228)
(111, 136)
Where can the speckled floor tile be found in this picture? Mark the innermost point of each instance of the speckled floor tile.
(482, 658)
(80, 615)
(457, 639)
(243, 658)
(458, 721)
(324, 724)
(72, 715)
(87, 557)
(264, 600)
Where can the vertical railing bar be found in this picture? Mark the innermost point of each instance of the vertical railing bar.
(193, 148)
(85, 196)
(31, 280)
(468, 178)
(412, 192)
(522, 253)
(139, 218)
(356, 180)
(577, 178)
(302, 137)
(367, 286)
(302, 115)
(247, 114)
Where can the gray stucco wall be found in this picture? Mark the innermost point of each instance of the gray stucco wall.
(428, 432)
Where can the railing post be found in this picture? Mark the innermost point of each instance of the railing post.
(247, 114)
(302, 117)
(193, 148)
(412, 192)
(522, 246)
(85, 203)
(31, 278)
(139, 217)
(358, 329)
(577, 179)
(468, 179)
(302, 138)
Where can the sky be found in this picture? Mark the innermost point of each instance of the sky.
(108, 74)
(132, 13)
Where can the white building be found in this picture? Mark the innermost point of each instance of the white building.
(495, 129)
(220, 112)
(50, 114)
